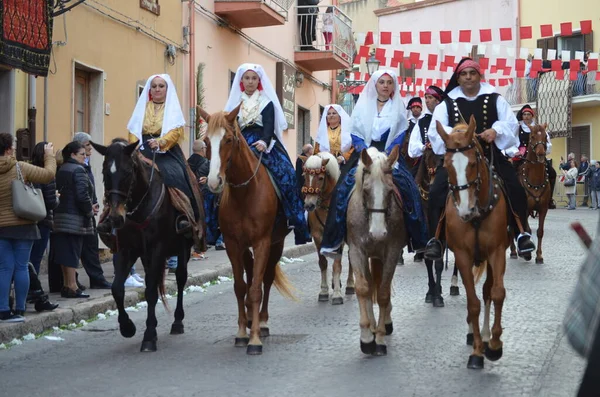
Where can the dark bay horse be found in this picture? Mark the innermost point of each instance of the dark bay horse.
(376, 236)
(534, 179)
(248, 218)
(142, 213)
(321, 173)
(476, 231)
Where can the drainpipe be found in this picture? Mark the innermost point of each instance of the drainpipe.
(46, 109)
(31, 113)
(192, 66)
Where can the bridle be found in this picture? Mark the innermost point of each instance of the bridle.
(237, 145)
(539, 188)
(317, 190)
(376, 210)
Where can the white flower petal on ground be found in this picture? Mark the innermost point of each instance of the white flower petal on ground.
(168, 296)
(142, 304)
(3, 346)
(57, 330)
(111, 312)
(101, 316)
(184, 293)
(206, 284)
(224, 279)
(195, 288)
(131, 309)
(16, 342)
(83, 323)
(29, 336)
(72, 325)
(53, 338)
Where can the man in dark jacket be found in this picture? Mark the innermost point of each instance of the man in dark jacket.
(90, 256)
(584, 170)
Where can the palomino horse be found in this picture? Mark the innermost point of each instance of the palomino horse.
(476, 231)
(248, 218)
(424, 179)
(376, 237)
(321, 173)
(534, 178)
(143, 215)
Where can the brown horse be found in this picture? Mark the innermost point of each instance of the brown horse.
(476, 224)
(376, 237)
(248, 218)
(321, 173)
(534, 178)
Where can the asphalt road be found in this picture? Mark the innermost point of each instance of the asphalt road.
(314, 350)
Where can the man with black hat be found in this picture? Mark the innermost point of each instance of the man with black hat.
(419, 141)
(496, 128)
(526, 120)
(417, 119)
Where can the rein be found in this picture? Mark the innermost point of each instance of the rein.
(539, 188)
(234, 185)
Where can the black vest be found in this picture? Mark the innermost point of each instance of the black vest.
(523, 137)
(424, 126)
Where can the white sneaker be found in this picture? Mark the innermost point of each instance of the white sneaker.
(138, 278)
(132, 282)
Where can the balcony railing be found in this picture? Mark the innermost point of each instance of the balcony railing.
(525, 90)
(253, 13)
(325, 40)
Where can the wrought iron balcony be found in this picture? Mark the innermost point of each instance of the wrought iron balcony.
(253, 13)
(325, 40)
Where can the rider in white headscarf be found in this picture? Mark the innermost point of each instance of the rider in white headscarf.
(333, 135)
(378, 120)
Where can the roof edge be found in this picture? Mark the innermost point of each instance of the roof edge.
(410, 6)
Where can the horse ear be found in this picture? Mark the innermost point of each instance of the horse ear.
(303, 158)
(99, 148)
(202, 113)
(472, 127)
(233, 114)
(545, 125)
(130, 148)
(324, 162)
(393, 157)
(365, 158)
(441, 131)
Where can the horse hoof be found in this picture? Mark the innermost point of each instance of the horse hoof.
(264, 332)
(527, 257)
(128, 329)
(428, 298)
(242, 342)
(148, 346)
(368, 348)
(438, 301)
(249, 324)
(539, 261)
(350, 291)
(380, 350)
(254, 350)
(514, 256)
(176, 329)
(470, 339)
(322, 298)
(337, 301)
(389, 328)
(491, 354)
(475, 362)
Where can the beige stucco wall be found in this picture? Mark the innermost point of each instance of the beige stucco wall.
(361, 13)
(21, 99)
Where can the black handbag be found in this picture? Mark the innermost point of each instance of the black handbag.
(569, 182)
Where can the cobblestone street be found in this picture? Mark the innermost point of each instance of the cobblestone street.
(314, 350)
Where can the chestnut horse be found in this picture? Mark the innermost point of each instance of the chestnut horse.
(248, 219)
(321, 173)
(376, 237)
(476, 231)
(534, 178)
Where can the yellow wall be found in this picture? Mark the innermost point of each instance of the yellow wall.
(21, 99)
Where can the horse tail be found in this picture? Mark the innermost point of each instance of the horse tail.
(160, 286)
(479, 270)
(283, 284)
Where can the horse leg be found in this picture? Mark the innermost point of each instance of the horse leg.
(181, 274)
(236, 256)
(385, 306)
(454, 291)
(465, 265)
(261, 258)
(154, 276)
(324, 294)
(431, 290)
(276, 250)
(248, 266)
(494, 350)
(438, 300)
(124, 261)
(337, 298)
(513, 250)
(350, 280)
(539, 259)
(362, 279)
(487, 301)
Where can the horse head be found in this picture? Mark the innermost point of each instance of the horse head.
(118, 170)
(375, 183)
(462, 160)
(321, 173)
(538, 144)
(224, 134)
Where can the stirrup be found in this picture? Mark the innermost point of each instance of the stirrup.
(182, 224)
(434, 250)
(528, 244)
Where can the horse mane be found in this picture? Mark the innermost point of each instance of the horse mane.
(219, 121)
(379, 160)
(314, 162)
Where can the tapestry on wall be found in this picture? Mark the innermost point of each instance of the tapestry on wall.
(26, 35)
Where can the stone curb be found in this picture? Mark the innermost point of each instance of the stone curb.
(91, 308)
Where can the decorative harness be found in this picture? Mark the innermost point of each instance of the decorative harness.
(536, 191)
(322, 202)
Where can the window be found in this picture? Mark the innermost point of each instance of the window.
(575, 42)
(82, 101)
(231, 78)
(303, 128)
(406, 72)
(579, 143)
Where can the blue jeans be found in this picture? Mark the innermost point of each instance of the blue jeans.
(13, 266)
(39, 247)
(172, 262)
(131, 272)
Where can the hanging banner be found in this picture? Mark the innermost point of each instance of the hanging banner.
(285, 87)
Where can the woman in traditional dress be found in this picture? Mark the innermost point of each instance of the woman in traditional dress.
(157, 124)
(379, 121)
(334, 133)
(262, 122)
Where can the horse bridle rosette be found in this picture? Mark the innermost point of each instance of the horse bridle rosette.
(314, 171)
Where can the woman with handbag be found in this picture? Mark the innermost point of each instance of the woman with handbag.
(21, 207)
(570, 184)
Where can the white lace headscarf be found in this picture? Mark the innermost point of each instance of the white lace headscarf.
(235, 96)
(365, 111)
(173, 116)
(323, 133)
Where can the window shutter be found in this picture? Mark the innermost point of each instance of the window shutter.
(579, 143)
(543, 44)
(588, 42)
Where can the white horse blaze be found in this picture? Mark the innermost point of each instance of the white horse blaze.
(113, 167)
(377, 227)
(460, 163)
(215, 161)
